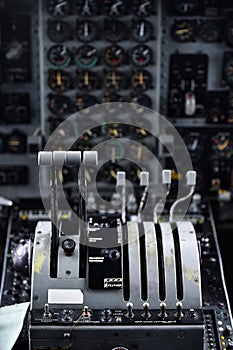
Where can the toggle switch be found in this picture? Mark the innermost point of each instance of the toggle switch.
(146, 313)
(129, 313)
(162, 312)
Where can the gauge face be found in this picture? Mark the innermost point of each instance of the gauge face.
(59, 31)
(112, 97)
(59, 8)
(183, 31)
(114, 80)
(142, 31)
(59, 104)
(114, 8)
(210, 31)
(114, 56)
(115, 30)
(85, 101)
(229, 33)
(59, 80)
(143, 8)
(222, 144)
(141, 55)
(141, 80)
(86, 31)
(186, 7)
(228, 69)
(59, 56)
(86, 57)
(87, 80)
(142, 100)
(87, 8)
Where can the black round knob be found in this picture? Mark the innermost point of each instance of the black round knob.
(230, 344)
(228, 331)
(69, 246)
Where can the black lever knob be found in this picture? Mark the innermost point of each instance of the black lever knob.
(68, 245)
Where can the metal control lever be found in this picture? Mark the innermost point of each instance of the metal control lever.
(190, 183)
(121, 187)
(166, 180)
(55, 160)
(144, 184)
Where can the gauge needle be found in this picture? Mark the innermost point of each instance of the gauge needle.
(143, 6)
(59, 78)
(86, 79)
(194, 145)
(182, 31)
(91, 52)
(114, 78)
(141, 80)
(142, 29)
(58, 26)
(58, 8)
(113, 174)
(115, 133)
(222, 146)
(139, 153)
(114, 8)
(85, 29)
(113, 153)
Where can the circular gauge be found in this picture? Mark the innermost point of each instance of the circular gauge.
(59, 56)
(114, 80)
(228, 69)
(59, 31)
(183, 31)
(59, 8)
(87, 8)
(141, 80)
(87, 80)
(195, 145)
(229, 33)
(142, 100)
(114, 8)
(141, 55)
(112, 97)
(59, 80)
(115, 30)
(86, 31)
(186, 7)
(114, 56)
(142, 31)
(86, 57)
(59, 104)
(85, 101)
(210, 31)
(222, 144)
(143, 8)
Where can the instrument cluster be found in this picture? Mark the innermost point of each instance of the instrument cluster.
(97, 53)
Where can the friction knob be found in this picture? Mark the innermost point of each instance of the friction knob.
(68, 245)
